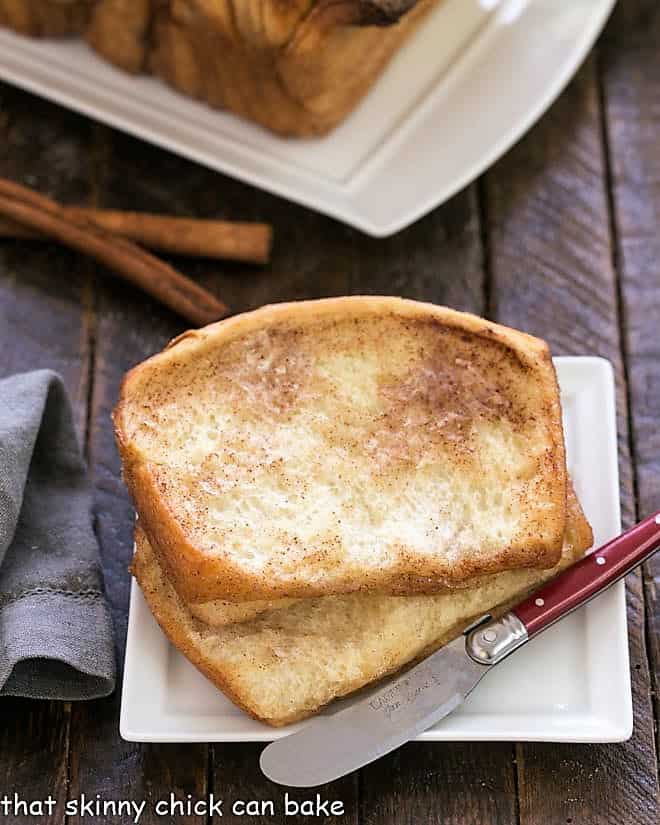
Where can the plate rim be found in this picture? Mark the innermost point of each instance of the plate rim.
(134, 726)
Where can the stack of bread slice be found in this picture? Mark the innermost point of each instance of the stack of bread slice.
(329, 490)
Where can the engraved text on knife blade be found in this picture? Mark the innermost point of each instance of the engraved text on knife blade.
(406, 691)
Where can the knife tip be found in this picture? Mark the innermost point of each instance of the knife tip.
(274, 768)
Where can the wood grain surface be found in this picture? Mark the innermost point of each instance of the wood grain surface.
(560, 238)
(630, 77)
(548, 215)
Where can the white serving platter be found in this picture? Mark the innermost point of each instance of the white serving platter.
(571, 684)
(470, 82)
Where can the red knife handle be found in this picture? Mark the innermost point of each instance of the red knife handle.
(590, 576)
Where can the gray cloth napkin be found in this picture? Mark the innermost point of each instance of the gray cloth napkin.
(55, 626)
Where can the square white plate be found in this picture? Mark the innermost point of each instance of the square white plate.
(571, 684)
(471, 81)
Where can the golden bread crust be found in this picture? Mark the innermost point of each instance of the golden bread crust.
(45, 18)
(298, 69)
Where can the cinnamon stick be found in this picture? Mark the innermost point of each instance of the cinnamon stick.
(250, 242)
(134, 264)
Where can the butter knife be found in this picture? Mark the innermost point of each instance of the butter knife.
(334, 745)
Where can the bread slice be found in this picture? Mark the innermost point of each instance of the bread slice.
(286, 664)
(346, 444)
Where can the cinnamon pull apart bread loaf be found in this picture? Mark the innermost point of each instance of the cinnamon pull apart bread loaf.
(297, 67)
(350, 444)
(286, 664)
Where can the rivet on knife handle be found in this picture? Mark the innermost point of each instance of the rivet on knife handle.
(489, 643)
(590, 576)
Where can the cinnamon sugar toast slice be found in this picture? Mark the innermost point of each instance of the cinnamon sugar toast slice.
(362, 443)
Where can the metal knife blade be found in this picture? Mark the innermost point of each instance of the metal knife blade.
(332, 746)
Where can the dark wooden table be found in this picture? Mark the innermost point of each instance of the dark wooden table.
(560, 238)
